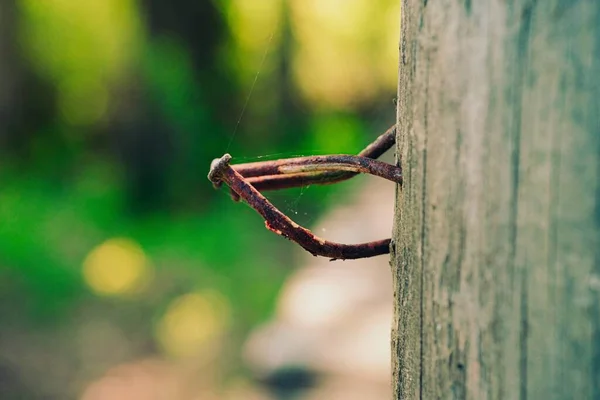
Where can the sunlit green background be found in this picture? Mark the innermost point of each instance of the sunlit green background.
(114, 247)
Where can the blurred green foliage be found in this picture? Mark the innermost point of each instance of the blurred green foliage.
(111, 112)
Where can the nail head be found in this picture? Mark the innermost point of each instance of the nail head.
(217, 166)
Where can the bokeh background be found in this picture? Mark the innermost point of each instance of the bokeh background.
(115, 250)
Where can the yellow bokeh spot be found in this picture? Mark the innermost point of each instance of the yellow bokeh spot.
(255, 27)
(346, 50)
(117, 266)
(83, 47)
(193, 322)
(253, 22)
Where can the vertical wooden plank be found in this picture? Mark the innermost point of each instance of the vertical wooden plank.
(405, 254)
(558, 198)
(498, 223)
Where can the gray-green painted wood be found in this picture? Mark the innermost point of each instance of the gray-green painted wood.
(496, 250)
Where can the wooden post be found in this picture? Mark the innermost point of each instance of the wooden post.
(496, 250)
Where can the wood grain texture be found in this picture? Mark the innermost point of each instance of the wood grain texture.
(496, 246)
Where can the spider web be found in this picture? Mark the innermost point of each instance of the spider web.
(290, 204)
(260, 67)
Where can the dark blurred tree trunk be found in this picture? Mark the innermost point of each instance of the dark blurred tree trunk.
(22, 93)
(497, 239)
(163, 157)
(7, 70)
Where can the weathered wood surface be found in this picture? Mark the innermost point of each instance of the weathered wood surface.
(496, 250)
